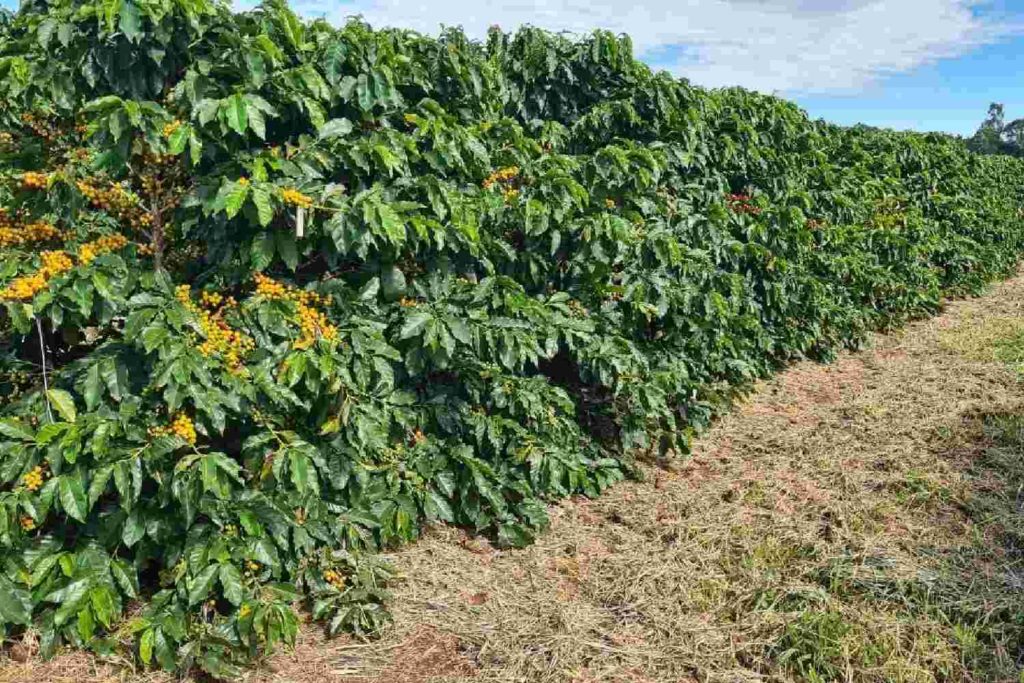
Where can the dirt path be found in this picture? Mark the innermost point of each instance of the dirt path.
(846, 522)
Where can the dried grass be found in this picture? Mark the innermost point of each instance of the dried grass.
(828, 487)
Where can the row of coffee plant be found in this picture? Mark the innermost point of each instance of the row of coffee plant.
(279, 294)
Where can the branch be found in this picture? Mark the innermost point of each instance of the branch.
(42, 356)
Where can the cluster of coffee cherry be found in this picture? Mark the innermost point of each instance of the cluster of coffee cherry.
(103, 245)
(290, 195)
(27, 286)
(34, 478)
(15, 233)
(313, 323)
(40, 126)
(742, 203)
(219, 338)
(505, 178)
(32, 181)
(121, 203)
(181, 425)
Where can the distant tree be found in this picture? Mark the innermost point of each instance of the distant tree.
(995, 136)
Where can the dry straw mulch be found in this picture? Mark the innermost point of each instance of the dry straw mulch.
(779, 537)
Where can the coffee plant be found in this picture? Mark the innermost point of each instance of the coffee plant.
(278, 294)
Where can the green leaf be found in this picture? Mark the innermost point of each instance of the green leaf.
(130, 21)
(391, 223)
(195, 146)
(235, 199)
(414, 324)
(64, 404)
(179, 139)
(299, 468)
(370, 289)
(92, 387)
(98, 484)
(146, 646)
(163, 651)
(15, 603)
(64, 33)
(152, 337)
(134, 527)
(111, 10)
(115, 377)
(334, 60)
(72, 496)
(264, 209)
(258, 123)
(86, 624)
(437, 507)
(49, 432)
(125, 576)
(460, 330)
(287, 249)
(261, 254)
(116, 123)
(44, 32)
(235, 111)
(16, 429)
(514, 535)
(202, 583)
(231, 581)
(335, 128)
(102, 598)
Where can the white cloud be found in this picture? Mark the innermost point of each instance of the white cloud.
(792, 46)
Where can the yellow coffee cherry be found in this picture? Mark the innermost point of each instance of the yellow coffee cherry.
(334, 578)
(290, 195)
(27, 523)
(120, 203)
(104, 245)
(313, 324)
(15, 233)
(181, 425)
(503, 175)
(54, 263)
(34, 478)
(220, 339)
(34, 181)
(211, 299)
(170, 128)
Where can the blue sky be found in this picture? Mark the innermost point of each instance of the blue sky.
(918, 64)
(950, 95)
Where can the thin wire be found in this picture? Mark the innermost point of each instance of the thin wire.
(42, 354)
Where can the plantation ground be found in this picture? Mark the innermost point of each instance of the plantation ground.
(854, 521)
